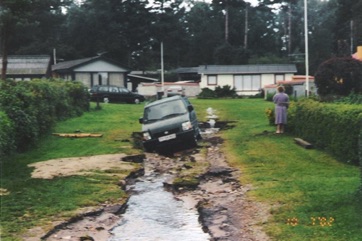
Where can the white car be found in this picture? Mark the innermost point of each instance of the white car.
(175, 90)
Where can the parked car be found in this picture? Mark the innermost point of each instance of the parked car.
(112, 93)
(169, 121)
(175, 90)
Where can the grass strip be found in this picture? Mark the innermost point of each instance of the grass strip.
(37, 202)
(312, 195)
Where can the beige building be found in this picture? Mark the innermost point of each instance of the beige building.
(247, 80)
(92, 71)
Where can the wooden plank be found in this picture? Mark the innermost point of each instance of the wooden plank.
(78, 135)
(303, 143)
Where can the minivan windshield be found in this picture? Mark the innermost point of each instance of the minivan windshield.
(164, 110)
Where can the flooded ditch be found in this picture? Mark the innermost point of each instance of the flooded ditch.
(155, 214)
(212, 208)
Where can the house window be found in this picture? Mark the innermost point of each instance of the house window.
(211, 80)
(279, 77)
(247, 82)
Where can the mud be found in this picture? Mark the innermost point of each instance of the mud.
(225, 211)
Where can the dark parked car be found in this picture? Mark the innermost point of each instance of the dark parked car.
(111, 93)
(169, 121)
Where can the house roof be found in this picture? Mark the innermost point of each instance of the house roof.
(296, 80)
(69, 65)
(72, 63)
(27, 64)
(142, 77)
(247, 69)
(186, 70)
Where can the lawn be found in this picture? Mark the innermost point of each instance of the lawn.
(33, 202)
(311, 195)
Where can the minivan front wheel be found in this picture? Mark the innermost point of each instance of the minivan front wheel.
(136, 101)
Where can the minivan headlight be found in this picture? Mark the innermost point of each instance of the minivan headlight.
(186, 126)
(146, 136)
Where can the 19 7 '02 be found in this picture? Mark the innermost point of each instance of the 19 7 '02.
(314, 221)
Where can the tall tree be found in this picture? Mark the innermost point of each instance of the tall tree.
(27, 26)
(12, 13)
(119, 29)
(203, 36)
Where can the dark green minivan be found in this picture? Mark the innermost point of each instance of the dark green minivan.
(169, 121)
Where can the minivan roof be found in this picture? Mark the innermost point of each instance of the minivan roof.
(164, 100)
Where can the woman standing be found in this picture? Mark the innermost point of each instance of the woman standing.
(281, 101)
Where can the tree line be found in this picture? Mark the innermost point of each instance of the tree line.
(192, 32)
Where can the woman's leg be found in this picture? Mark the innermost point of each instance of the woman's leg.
(281, 128)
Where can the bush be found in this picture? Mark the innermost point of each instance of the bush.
(269, 96)
(360, 161)
(352, 98)
(225, 91)
(270, 115)
(6, 140)
(219, 92)
(206, 93)
(339, 76)
(334, 127)
(33, 107)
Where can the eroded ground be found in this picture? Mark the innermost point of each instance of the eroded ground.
(225, 212)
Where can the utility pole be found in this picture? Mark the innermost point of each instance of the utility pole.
(246, 29)
(162, 71)
(227, 22)
(306, 48)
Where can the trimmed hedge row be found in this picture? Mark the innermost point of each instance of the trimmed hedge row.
(333, 127)
(29, 109)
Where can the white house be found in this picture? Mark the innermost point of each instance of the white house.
(247, 79)
(297, 86)
(151, 89)
(92, 71)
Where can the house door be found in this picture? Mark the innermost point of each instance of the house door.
(103, 78)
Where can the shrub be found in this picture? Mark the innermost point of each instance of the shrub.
(360, 161)
(219, 92)
(352, 98)
(269, 96)
(270, 115)
(225, 91)
(6, 130)
(33, 107)
(339, 76)
(334, 127)
(206, 93)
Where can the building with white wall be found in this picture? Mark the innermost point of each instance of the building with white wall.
(247, 80)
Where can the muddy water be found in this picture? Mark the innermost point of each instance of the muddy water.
(154, 214)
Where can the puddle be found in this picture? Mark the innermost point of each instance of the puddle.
(154, 214)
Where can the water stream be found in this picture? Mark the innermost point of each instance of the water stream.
(154, 214)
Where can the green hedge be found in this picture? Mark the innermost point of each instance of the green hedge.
(333, 127)
(360, 162)
(6, 134)
(32, 108)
